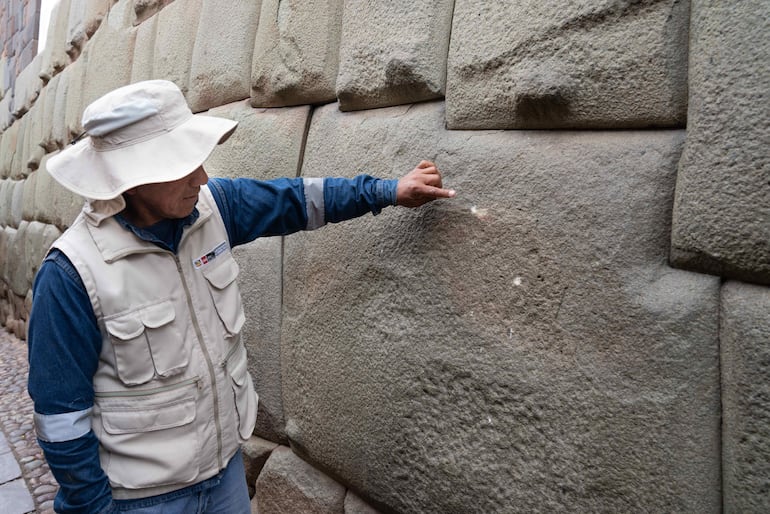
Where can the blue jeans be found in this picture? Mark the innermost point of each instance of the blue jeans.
(225, 493)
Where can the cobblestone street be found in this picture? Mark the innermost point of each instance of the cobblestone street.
(26, 483)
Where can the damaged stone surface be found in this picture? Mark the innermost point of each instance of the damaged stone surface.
(503, 347)
(579, 64)
(721, 219)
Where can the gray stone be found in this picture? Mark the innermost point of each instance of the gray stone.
(85, 16)
(744, 336)
(48, 99)
(393, 53)
(17, 267)
(355, 505)
(8, 147)
(28, 197)
(113, 42)
(296, 52)
(523, 344)
(722, 209)
(6, 118)
(54, 56)
(289, 484)
(144, 50)
(267, 143)
(9, 468)
(27, 88)
(75, 105)
(260, 282)
(221, 59)
(176, 29)
(256, 451)
(555, 64)
(17, 202)
(40, 237)
(15, 498)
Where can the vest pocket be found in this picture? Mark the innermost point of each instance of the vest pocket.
(149, 439)
(147, 343)
(226, 295)
(246, 399)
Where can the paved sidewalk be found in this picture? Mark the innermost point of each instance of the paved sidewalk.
(26, 483)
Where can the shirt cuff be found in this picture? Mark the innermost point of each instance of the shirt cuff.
(386, 192)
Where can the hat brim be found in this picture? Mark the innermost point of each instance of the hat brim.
(105, 174)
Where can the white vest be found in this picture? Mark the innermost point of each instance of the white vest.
(173, 396)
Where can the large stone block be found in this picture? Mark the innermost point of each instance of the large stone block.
(19, 159)
(6, 199)
(221, 59)
(744, 337)
(393, 53)
(722, 208)
(144, 50)
(296, 52)
(27, 87)
(112, 43)
(521, 347)
(267, 143)
(177, 27)
(71, 97)
(261, 282)
(53, 203)
(289, 484)
(556, 64)
(28, 198)
(48, 99)
(16, 265)
(8, 145)
(40, 237)
(54, 56)
(34, 150)
(85, 16)
(256, 451)
(6, 118)
(17, 202)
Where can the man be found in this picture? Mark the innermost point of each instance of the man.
(137, 371)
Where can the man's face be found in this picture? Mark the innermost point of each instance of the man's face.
(150, 203)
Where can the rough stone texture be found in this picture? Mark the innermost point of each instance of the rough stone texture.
(221, 59)
(54, 204)
(7, 241)
(17, 276)
(55, 57)
(355, 505)
(48, 100)
(74, 98)
(555, 64)
(6, 118)
(40, 237)
(296, 52)
(85, 16)
(112, 42)
(34, 151)
(256, 451)
(146, 8)
(267, 144)
(289, 484)
(177, 26)
(8, 149)
(18, 160)
(27, 88)
(144, 50)
(260, 281)
(744, 337)
(393, 53)
(524, 344)
(722, 213)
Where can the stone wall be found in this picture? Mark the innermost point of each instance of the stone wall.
(584, 328)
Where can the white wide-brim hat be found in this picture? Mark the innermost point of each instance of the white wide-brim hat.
(139, 134)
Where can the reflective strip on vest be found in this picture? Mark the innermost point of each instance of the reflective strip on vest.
(314, 201)
(57, 428)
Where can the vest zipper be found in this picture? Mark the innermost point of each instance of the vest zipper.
(207, 356)
(147, 392)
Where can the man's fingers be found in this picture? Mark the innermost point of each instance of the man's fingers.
(437, 192)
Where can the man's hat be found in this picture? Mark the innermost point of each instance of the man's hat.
(138, 134)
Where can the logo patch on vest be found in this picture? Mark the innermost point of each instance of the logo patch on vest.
(205, 260)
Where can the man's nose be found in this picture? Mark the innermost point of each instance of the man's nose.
(199, 177)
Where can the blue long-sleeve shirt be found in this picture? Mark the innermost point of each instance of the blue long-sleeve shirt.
(65, 342)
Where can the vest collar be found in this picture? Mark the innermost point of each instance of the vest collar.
(115, 242)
